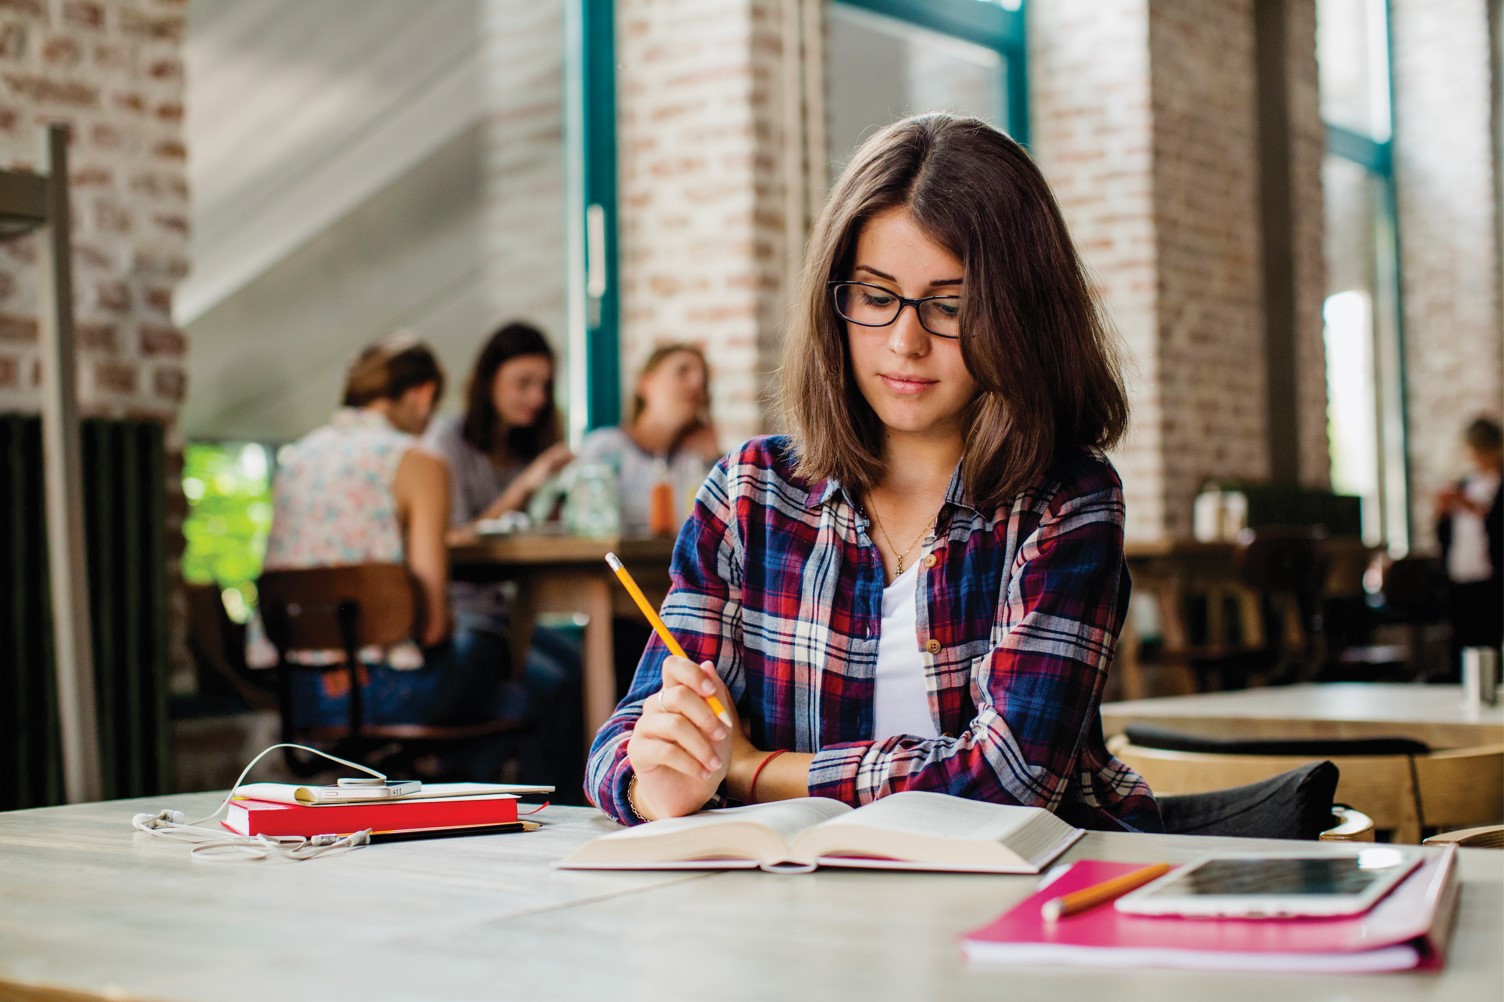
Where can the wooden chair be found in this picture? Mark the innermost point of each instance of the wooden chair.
(1280, 575)
(1485, 837)
(347, 609)
(217, 646)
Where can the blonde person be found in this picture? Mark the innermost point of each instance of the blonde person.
(669, 424)
(358, 490)
(502, 448)
(922, 586)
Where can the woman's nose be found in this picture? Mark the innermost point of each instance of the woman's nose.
(906, 335)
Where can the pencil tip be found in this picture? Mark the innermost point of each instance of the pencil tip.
(613, 561)
(1051, 911)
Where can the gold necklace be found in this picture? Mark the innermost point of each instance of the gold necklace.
(889, 540)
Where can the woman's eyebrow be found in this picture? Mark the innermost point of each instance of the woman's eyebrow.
(890, 278)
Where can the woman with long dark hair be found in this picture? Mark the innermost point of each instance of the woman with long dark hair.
(921, 587)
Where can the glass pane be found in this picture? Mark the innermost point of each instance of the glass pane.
(1365, 426)
(1352, 53)
(879, 69)
(228, 487)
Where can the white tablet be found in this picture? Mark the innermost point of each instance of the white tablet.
(1276, 886)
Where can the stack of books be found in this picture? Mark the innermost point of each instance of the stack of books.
(1406, 930)
(281, 809)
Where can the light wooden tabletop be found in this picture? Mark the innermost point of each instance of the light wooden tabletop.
(1431, 713)
(90, 907)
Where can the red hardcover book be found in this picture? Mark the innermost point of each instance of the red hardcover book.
(262, 817)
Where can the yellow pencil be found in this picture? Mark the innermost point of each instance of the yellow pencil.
(657, 624)
(1090, 897)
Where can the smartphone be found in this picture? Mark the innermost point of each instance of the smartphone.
(360, 790)
(1283, 886)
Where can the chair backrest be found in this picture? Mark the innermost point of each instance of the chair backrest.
(1415, 587)
(1484, 837)
(1381, 786)
(1461, 787)
(301, 608)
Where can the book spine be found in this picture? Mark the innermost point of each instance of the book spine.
(281, 819)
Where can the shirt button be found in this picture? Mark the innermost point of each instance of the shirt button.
(932, 645)
(931, 560)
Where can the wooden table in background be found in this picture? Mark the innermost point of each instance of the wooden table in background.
(90, 908)
(1430, 713)
(568, 574)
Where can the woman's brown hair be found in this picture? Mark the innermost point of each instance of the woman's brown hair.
(656, 358)
(515, 340)
(1033, 335)
(389, 368)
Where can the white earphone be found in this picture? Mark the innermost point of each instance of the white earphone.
(212, 843)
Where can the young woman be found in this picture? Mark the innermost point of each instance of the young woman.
(358, 490)
(499, 451)
(669, 423)
(921, 587)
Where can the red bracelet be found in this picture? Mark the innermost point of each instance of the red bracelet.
(752, 787)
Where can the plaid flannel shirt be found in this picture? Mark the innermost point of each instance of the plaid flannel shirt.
(777, 582)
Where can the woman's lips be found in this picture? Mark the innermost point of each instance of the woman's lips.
(907, 385)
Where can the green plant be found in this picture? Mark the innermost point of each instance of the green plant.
(228, 487)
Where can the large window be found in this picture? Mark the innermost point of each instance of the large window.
(1365, 402)
(885, 59)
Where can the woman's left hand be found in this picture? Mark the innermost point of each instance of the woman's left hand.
(702, 443)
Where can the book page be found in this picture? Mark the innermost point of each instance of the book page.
(759, 832)
(921, 830)
(940, 815)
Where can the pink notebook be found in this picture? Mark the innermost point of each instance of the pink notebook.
(1407, 930)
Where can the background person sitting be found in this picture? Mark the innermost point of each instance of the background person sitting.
(358, 491)
(1470, 528)
(499, 451)
(669, 425)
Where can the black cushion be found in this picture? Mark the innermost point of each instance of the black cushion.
(1156, 737)
(1293, 805)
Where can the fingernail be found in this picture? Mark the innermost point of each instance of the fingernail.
(720, 733)
(715, 762)
(707, 687)
(704, 773)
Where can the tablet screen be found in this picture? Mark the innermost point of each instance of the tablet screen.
(1317, 875)
(1269, 886)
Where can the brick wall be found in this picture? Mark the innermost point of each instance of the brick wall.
(1449, 246)
(1307, 150)
(111, 70)
(1206, 207)
(1144, 120)
(703, 133)
(1091, 128)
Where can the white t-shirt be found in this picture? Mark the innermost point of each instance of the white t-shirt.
(1467, 557)
(901, 703)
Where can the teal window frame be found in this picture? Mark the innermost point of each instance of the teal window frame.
(590, 169)
(982, 23)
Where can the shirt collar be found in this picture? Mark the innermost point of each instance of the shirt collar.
(360, 417)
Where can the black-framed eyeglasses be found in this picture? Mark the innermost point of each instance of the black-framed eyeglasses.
(873, 306)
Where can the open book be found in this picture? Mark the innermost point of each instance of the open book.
(904, 831)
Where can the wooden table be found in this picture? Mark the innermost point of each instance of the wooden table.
(89, 908)
(1430, 713)
(568, 574)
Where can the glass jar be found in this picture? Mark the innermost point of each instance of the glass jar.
(592, 507)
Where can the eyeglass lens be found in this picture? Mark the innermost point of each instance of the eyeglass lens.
(872, 306)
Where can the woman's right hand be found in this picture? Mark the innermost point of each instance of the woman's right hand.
(549, 462)
(679, 749)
